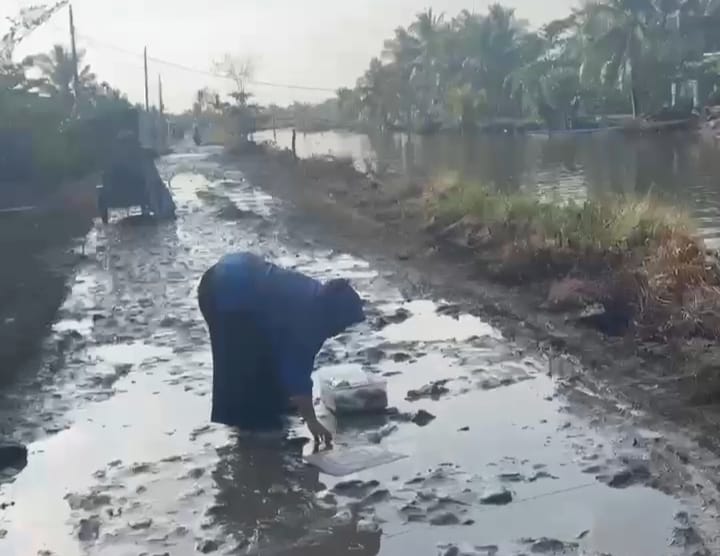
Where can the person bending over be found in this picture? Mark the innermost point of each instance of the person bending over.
(267, 324)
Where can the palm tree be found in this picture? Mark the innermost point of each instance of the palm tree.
(371, 91)
(58, 74)
(403, 52)
(553, 72)
(427, 31)
(619, 33)
(491, 48)
(466, 105)
(403, 49)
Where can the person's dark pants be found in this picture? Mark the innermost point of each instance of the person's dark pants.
(246, 391)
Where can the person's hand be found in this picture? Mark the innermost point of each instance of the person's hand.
(319, 432)
(304, 405)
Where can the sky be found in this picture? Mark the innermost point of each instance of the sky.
(323, 44)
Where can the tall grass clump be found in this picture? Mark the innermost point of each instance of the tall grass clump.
(601, 225)
(644, 259)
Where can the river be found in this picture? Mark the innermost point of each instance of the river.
(683, 169)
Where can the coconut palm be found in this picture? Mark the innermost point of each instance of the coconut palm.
(493, 47)
(619, 32)
(613, 53)
(372, 92)
(550, 83)
(427, 29)
(403, 52)
(58, 74)
(467, 105)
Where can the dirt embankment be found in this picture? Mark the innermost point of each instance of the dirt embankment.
(677, 379)
(37, 258)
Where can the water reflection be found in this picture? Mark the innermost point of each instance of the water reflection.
(267, 500)
(683, 168)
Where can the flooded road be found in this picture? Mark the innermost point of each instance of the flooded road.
(503, 459)
(681, 168)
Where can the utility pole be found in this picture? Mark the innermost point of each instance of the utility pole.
(76, 76)
(163, 124)
(147, 89)
(161, 104)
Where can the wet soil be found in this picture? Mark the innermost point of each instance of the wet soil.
(40, 249)
(509, 453)
(675, 382)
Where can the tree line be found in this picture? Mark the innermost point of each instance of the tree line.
(48, 120)
(604, 57)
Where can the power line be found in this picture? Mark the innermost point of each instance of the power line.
(198, 71)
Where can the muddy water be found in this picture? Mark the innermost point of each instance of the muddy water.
(123, 460)
(682, 168)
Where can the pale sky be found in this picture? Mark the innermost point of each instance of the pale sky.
(314, 43)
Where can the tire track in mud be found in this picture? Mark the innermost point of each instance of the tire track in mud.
(502, 459)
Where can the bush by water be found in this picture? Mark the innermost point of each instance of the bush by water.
(637, 257)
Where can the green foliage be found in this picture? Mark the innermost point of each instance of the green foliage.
(609, 54)
(641, 260)
(58, 70)
(65, 132)
(467, 105)
(600, 225)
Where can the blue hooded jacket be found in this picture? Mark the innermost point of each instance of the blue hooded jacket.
(295, 312)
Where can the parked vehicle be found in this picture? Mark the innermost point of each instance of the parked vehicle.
(131, 180)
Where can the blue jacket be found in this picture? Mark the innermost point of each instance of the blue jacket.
(296, 313)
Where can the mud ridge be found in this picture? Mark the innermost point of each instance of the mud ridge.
(40, 250)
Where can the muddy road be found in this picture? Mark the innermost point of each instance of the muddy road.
(505, 456)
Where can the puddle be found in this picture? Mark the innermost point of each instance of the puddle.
(129, 353)
(143, 470)
(426, 325)
(146, 422)
(184, 187)
(325, 265)
(81, 326)
(629, 523)
(250, 199)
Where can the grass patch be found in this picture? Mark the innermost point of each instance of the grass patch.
(608, 224)
(638, 258)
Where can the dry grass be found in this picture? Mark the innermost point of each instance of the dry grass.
(645, 262)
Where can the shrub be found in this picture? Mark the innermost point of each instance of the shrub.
(642, 258)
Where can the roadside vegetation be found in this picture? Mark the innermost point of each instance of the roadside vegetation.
(638, 261)
(229, 121)
(606, 57)
(607, 63)
(621, 264)
(51, 128)
(53, 135)
(639, 64)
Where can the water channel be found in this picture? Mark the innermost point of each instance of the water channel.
(681, 168)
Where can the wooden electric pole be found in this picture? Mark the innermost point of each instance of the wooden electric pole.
(76, 76)
(147, 89)
(161, 104)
